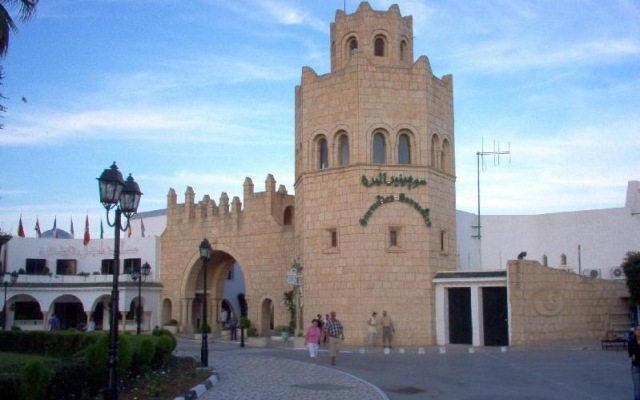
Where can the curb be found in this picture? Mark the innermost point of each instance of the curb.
(198, 390)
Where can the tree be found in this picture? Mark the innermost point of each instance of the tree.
(631, 267)
(27, 10)
(7, 25)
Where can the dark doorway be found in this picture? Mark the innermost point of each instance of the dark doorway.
(71, 315)
(460, 331)
(495, 316)
(98, 315)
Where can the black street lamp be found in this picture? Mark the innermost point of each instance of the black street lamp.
(138, 274)
(123, 197)
(13, 278)
(205, 255)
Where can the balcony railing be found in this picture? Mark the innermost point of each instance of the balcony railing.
(75, 278)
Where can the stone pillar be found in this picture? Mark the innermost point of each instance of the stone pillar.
(476, 323)
(123, 317)
(45, 319)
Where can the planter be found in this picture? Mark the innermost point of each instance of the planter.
(198, 337)
(298, 342)
(225, 335)
(257, 341)
(171, 328)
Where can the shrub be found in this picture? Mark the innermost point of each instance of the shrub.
(164, 332)
(144, 348)
(34, 379)
(164, 347)
(97, 356)
(252, 332)
(70, 381)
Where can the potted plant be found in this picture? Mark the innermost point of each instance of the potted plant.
(171, 326)
(298, 341)
(255, 340)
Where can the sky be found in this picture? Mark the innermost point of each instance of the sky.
(201, 93)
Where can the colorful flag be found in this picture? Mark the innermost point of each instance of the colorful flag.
(142, 226)
(73, 234)
(20, 227)
(87, 237)
(101, 230)
(38, 232)
(55, 227)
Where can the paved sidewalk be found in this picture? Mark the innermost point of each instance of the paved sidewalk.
(562, 371)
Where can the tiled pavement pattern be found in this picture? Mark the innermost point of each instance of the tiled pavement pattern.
(253, 376)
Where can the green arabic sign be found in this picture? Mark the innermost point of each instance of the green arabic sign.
(408, 181)
(380, 200)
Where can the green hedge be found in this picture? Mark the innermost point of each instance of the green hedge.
(81, 367)
(58, 344)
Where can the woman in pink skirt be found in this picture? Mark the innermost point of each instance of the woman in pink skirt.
(312, 339)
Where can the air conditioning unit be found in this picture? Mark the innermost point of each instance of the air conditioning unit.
(617, 273)
(592, 273)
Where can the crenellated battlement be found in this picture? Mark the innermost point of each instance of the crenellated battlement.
(270, 203)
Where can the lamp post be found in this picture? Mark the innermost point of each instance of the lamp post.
(123, 197)
(13, 277)
(138, 274)
(205, 255)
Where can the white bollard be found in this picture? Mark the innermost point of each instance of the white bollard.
(443, 350)
(386, 350)
(421, 350)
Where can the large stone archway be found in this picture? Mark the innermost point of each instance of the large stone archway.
(192, 292)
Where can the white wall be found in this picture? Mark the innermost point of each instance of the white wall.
(592, 239)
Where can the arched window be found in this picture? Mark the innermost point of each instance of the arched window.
(378, 47)
(323, 154)
(403, 50)
(404, 149)
(288, 216)
(445, 163)
(343, 150)
(435, 151)
(352, 45)
(379, 148)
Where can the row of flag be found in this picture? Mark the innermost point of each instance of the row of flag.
(87, 235)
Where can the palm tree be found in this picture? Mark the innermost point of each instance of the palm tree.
(27, 10)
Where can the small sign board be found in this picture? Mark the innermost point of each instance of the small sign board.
(292, 277)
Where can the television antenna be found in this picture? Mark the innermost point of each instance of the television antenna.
(496, 153)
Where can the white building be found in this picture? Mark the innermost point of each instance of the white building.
(590, 242)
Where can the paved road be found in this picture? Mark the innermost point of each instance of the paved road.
(561, 372)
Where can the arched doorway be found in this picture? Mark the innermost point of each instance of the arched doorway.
(266, 317)
(70, 311)
(225, 281)
(166, 312)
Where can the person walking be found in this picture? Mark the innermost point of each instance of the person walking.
(233, 327)
(321, 326)
(312, 338)
(387, 329)
(633, 348)
(372, 329)
(54, 322)
(333, 329)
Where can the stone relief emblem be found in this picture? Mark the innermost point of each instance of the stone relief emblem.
(548, 302)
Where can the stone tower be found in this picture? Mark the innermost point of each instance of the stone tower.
(374, 178)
